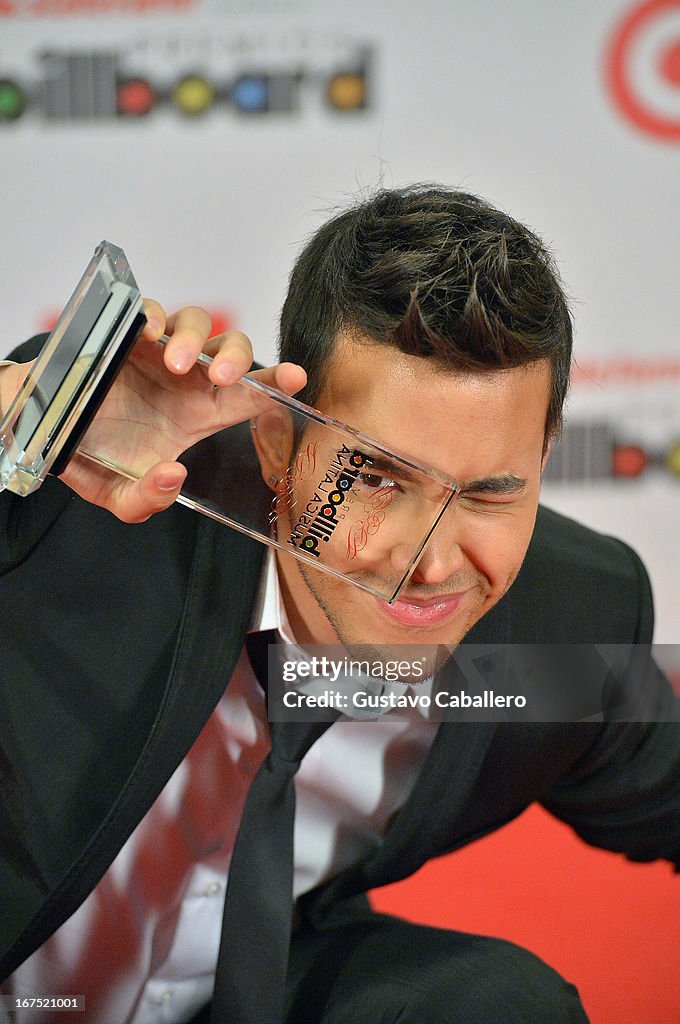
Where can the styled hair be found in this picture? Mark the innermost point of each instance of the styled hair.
(435, 272)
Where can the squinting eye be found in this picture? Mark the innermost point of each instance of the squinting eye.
(484, 501)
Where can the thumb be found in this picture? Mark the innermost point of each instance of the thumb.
(135, 501)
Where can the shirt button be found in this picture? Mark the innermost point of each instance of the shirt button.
(212, 889)
(162, 997)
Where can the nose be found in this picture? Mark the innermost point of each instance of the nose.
(443, 555)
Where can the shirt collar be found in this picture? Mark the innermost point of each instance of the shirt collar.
(269, 611)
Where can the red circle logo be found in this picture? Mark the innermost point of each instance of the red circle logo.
(643, 67)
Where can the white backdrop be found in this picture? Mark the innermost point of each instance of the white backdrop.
(509, 100)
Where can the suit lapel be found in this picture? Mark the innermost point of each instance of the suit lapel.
(437, 804)
(220, 591)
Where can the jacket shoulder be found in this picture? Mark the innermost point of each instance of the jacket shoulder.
(566, 543)
(575, 586)
(28, 349)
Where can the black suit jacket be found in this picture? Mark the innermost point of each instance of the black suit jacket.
(116, 643)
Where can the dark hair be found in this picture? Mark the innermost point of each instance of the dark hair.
(435, 272)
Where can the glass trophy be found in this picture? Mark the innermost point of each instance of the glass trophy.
(69, 379)
(290, 477)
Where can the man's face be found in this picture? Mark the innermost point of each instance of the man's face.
(486, 431)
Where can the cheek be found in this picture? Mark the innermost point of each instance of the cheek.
(496, 543)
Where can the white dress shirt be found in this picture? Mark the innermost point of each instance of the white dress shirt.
(143, 946)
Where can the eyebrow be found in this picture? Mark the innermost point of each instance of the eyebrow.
(386, 465)
(505, 484)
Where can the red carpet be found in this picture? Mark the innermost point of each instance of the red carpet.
(609, 926)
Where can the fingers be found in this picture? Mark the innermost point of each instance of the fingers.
(232, 353)
(189, 331)
(286, 377)
(232, 357)
(135, 501)
(155, 320)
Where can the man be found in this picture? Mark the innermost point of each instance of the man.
(425, 318)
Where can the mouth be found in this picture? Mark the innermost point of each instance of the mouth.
(414, 611)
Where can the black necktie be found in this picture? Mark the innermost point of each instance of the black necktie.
(253, 959)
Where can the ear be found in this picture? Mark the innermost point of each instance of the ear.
(272, 434)
(546, 453)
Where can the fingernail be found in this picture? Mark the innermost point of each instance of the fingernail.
(167, 483)
(182, 358)
(155, 325)
(225, 373)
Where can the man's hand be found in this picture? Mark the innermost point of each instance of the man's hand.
(162, 403)
(12, 377)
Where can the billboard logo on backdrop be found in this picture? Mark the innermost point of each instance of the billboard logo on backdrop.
(635, 433)
(242, 77)
(58, 8)
(642, 67)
